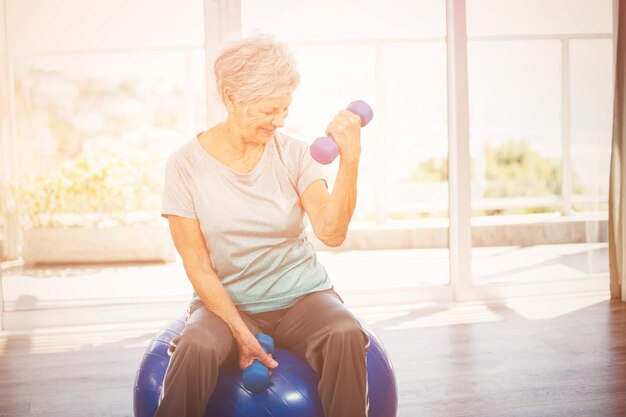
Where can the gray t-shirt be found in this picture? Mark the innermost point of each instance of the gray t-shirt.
(253, 223)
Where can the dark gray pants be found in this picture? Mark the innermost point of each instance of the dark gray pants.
(318, 328)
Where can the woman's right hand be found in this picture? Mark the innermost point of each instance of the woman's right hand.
(250, 349)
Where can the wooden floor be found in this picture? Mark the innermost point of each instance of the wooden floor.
(559, 356)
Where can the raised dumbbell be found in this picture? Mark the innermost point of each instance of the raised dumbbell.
(324, 149)
(256, 377)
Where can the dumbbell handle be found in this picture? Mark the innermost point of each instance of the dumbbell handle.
(324, 149)
(256, 377)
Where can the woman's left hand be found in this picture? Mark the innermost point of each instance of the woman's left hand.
(346, 132)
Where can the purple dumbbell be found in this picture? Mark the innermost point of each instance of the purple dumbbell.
(324, 150)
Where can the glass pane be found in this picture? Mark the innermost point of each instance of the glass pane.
(196, 95)
(415, 120)
(331, 77)
(94, 130)
(370, 270)
(349, 19)
(521, 232)
(591, 63)
(39, 26)
(515, 122)
(524, 17)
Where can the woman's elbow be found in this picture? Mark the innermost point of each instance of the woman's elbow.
(334, 243)
(332, 240)
(330, 233)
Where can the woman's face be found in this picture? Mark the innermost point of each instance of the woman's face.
(259, 120)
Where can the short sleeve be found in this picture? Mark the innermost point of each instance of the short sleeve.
(310, 171)
(177, 195)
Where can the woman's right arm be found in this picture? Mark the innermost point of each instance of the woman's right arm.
(191, 246)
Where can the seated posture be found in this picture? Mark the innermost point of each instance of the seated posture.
(235, 198)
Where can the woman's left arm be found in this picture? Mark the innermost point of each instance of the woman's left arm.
(330, 215)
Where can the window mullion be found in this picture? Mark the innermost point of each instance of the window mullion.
(459, 163)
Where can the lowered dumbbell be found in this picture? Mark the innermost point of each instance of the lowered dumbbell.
(256, 377)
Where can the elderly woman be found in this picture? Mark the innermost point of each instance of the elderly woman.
(236, 198)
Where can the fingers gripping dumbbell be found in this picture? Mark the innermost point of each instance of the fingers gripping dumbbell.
(324, 150)
(256, 377)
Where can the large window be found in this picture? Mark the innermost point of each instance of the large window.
(107, 89)
(103, 93)
(539, 80)
(540, 84)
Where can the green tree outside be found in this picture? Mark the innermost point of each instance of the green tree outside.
(513, 169)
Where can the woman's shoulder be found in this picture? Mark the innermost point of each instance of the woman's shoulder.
(291, 145)
(185, 155)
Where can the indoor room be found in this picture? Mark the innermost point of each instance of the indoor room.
(437, 229)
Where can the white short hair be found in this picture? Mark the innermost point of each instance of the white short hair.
(254, 68)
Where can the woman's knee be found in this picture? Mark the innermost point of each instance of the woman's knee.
(347, 329)
(203, 344)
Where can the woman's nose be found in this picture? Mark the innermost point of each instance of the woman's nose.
(279, 120)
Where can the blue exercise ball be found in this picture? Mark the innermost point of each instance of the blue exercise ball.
(293, 389)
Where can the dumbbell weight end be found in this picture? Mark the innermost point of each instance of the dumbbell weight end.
(256, 377)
